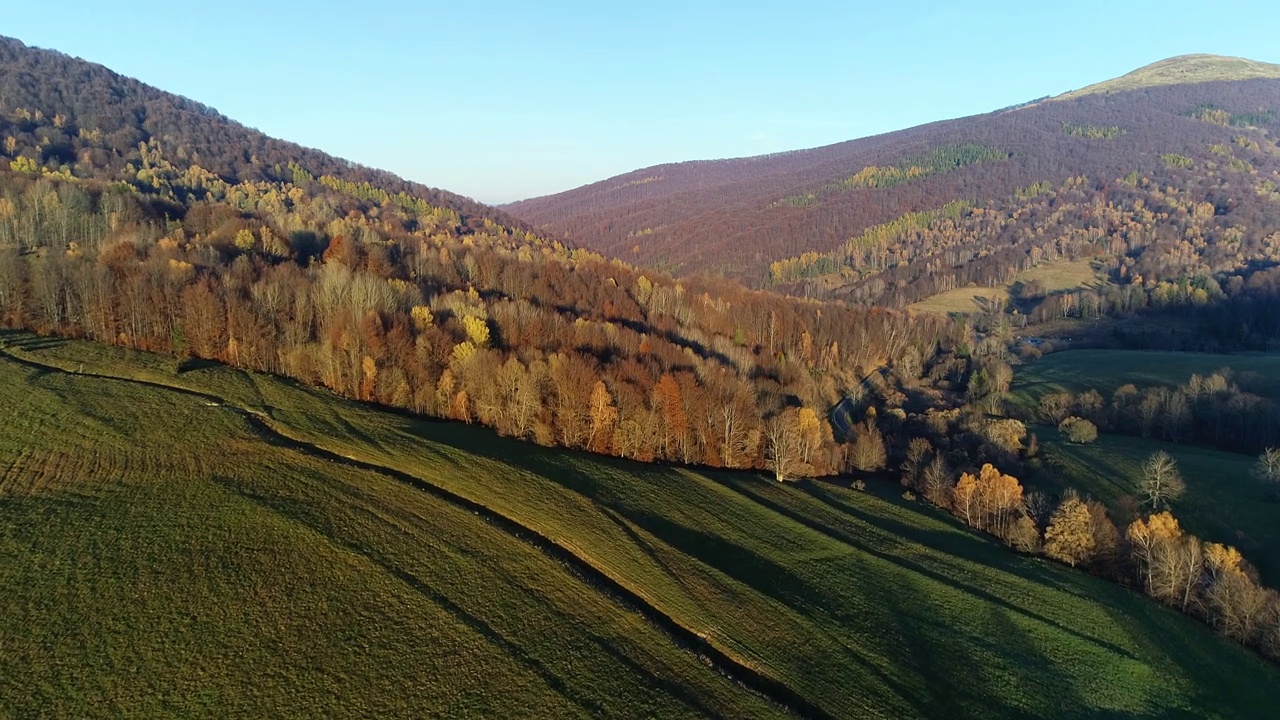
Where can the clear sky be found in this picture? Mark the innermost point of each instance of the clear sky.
(506, 100)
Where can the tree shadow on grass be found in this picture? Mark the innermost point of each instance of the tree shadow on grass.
(1199, 658)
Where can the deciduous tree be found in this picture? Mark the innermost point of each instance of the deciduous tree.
(1161, 481)
(1069, 537)
(1267, 468)
(603, 417)
(782, 444)
(868, 451)
(1078, 430)
(964, 499)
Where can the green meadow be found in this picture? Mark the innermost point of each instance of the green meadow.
(265, 549)
(1224, 502)
(1076, 371)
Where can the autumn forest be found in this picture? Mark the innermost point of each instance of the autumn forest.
(766, 315)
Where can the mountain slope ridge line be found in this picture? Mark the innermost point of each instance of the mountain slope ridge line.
(738, 671)
(736, 216)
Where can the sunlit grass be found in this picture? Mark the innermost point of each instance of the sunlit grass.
(361, 591)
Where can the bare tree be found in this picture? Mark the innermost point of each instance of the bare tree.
(1237, 606)
(1267, 468)
(783, 444)
(918, 451)
(1055, 407)
(1038, 506)
(1161, 481)
(936, 481)
(868, 452)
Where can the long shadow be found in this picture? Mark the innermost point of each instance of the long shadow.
(476, 624)
(697, 544)
(968, 545)
(920, 569)
(1189, 654)
(765, 685)
(1015, 643)
(751, 568)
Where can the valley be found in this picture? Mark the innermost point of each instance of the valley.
(978, 418)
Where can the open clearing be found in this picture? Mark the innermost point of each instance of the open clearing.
(1053, 276)
(1076, 371)
(1223, 503)
(287, 553)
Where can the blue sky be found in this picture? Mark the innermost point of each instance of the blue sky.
(506, 100)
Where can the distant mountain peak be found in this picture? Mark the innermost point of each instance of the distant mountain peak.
(1182, 70)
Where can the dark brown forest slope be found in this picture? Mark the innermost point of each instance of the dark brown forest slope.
(738, 216)
(106, 116)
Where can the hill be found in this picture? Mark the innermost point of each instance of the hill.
(338, 532)
(895, 219)
(1183, 70)
(139, 218)
(64, 112)
(352, 286)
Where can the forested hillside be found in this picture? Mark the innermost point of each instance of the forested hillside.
(63, 112)
(142, 219)
(1166, 184)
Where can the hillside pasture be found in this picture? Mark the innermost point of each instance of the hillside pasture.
(1053, 277)
(1076, 371)
(278, 550)
(1223, 503)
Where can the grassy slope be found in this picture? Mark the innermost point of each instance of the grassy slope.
(865, 606)
(1181, 70)
(1054, 276)
(1223, 503)
(210, 573)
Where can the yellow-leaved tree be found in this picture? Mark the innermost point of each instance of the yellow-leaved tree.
(603, 417)
(1069, 536)
(477, 330)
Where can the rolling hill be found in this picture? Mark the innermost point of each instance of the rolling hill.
(302, 555)
(1183, 70)
(1170, 125)
(140, 218)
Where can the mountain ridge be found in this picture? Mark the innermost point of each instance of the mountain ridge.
(736, 216)
(125, 110)
(1182, 70)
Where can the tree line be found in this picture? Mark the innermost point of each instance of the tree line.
(1209, 410)
(1152, 553)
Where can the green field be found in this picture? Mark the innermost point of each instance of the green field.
(280, 552)
(1075, 371)
(1053, 276)
(1224, 502)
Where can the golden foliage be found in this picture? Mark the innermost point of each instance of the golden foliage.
(477, 330)
(1069, 537)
